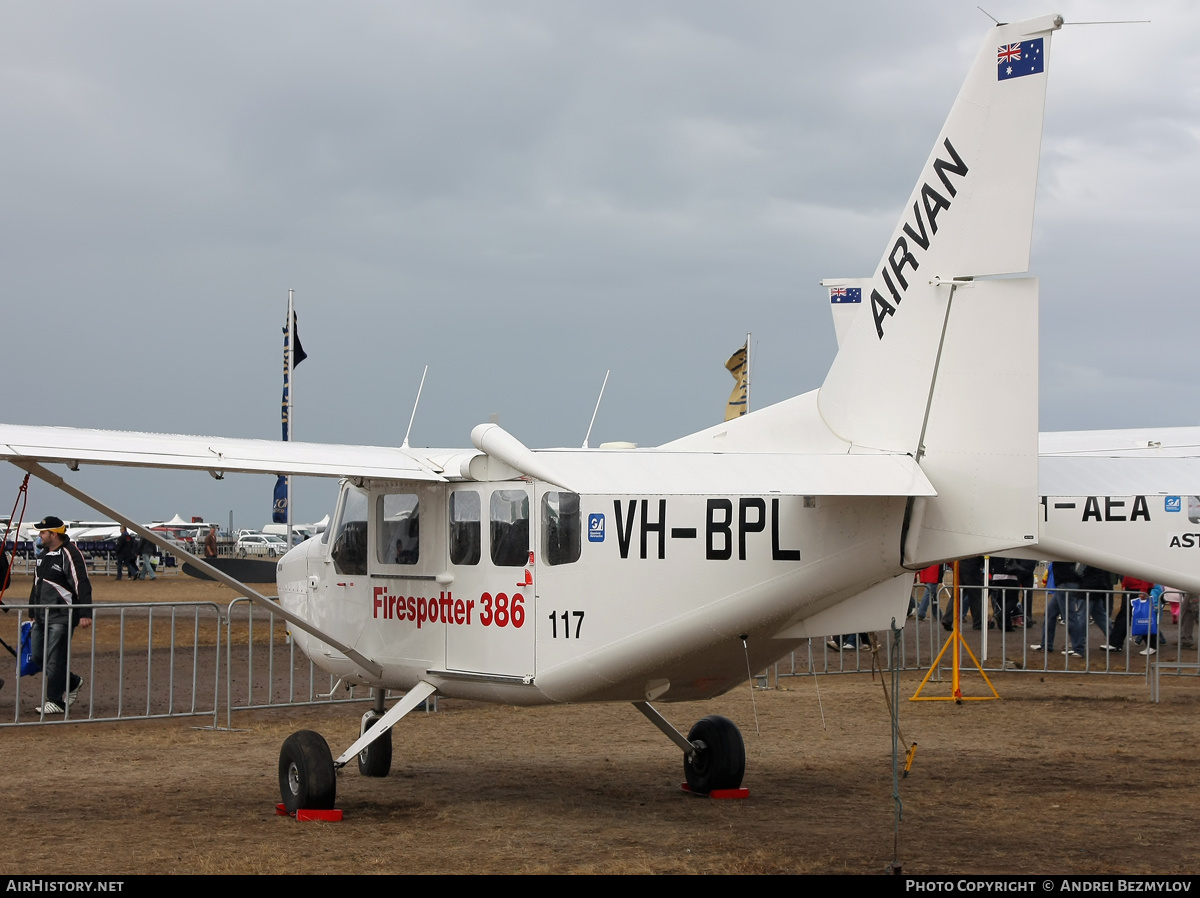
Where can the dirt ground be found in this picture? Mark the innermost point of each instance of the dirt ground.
(1065, 774)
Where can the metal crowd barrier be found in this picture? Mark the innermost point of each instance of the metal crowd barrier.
(162, 662)
(265, 670)
(189, 659)
(999, 648)
(145, 660)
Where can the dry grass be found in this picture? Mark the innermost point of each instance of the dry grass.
(1071, 775)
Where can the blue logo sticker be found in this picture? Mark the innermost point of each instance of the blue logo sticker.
(1173, 504)
(595, 528)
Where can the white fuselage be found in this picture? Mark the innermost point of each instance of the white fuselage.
(617, 597)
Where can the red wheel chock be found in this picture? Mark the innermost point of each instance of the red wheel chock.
(719, 794)
(303, 815)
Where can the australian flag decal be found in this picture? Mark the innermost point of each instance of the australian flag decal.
(1015, 60)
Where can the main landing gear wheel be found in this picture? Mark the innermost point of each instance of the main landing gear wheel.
(719, 759)
(307, 780)
(376, 758)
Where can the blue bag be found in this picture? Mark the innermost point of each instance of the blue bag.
(29, 664)
(1144, 619)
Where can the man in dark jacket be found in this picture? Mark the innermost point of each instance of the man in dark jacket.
(63, 593)
(126, 554)
(1010, 577)
(970, 581)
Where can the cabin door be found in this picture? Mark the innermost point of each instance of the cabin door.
(492, 563)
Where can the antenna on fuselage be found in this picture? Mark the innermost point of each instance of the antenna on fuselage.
(411, 417)
(596, 409)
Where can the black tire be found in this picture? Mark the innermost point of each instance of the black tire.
(271, 552)
(307, 780)
(241, 553)
(721, 763)
(376, 758)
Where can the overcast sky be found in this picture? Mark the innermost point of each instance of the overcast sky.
(523, 195)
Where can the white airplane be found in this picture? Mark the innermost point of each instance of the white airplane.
(505, 574)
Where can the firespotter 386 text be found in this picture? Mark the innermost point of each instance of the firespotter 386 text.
(500, 610)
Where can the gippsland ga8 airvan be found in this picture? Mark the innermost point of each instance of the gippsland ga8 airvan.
(656, 575)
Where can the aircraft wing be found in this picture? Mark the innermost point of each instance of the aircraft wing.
(73, 446)
(1120, 462)
(1147, 442)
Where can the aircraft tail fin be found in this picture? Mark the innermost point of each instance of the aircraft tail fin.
(970, 215)
(937, 363)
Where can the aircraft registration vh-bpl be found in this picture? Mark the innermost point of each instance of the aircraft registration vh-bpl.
(505, 574)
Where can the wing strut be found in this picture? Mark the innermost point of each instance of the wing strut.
(411, 699)
(257, 598)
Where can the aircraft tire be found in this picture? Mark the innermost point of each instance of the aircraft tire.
(307, 780)
(376, 758)
(721, 763)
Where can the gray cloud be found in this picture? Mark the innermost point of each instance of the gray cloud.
(524, 195)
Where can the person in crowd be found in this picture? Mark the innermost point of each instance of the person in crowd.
(1150, 636)
(145, 550)
(1066, 600)
(62, 596)
(970, 580)
(1187, 620)
(1132, 587)
(1010, 579)
(1099, 584)
(126, 554)
(931, 579)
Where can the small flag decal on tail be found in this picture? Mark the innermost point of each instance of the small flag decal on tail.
(1015, 60)
(845, 294)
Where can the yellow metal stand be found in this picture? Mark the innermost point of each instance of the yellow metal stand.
(956, 640)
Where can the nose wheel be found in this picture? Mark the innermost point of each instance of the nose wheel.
(307, 780)
(376, 758)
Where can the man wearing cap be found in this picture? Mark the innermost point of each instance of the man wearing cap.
(62, 587)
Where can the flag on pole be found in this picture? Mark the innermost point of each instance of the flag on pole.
(300, 356)
(739, 367)
(279, 507)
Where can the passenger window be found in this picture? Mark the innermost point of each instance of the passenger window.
(560, 528)
(465, 527)
(349, 551)
(510, 528)
(399, 540)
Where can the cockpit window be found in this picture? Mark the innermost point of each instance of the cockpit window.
(510, 528)
(465, 527)
(560, 528)
(399, 529)
(349, 551)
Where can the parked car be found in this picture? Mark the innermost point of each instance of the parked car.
(260, 544)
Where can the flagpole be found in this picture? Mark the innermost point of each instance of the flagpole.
(291, 348)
